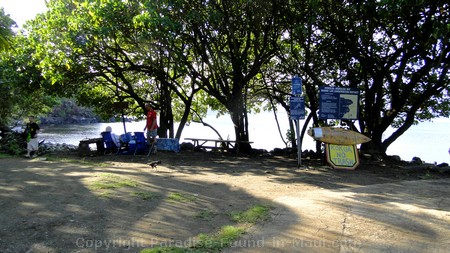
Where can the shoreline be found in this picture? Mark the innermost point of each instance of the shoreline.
(306, 154)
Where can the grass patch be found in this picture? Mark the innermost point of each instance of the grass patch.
(105, 195)
(111, 181)
(252, 215)
(225, 237)
(206, 242)
(82, 161)
(427, 175)
(180, 197)
(205, 215)
(146, 195)
(3, 155)
(167, 250)
(216, 242)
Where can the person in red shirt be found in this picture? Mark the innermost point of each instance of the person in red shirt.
(151, 125)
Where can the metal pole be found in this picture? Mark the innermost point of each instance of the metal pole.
(123, 121)
(299, 145)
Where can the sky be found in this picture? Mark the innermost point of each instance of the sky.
(22, 10)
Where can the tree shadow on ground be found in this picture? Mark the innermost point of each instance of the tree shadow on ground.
(407, 216)
(50, 206)
(282, 169)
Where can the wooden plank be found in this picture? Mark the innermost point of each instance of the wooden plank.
(201, 139)
(218, 144)
(216, 140)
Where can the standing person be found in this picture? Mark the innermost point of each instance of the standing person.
(151, 126)
(31, 131)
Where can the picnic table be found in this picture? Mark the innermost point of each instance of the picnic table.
(83, 147)
(215, 144)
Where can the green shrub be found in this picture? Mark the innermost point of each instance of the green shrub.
(12, 143)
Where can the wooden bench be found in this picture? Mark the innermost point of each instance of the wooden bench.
(215, 144)
(83, 147)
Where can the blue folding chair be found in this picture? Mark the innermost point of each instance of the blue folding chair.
(110, 146)
(126, 137)
(141, 143)
(126, 144)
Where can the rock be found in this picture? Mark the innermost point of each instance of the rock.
(278, 152)
(186, 146)
(377, 157)
(395, 158)
(416, 160)
(268, 154)
(308, 153)
(443, 165)
(442, 169)
(49, 147)
(367, 156)
(67, 120)
(259, 151)
(420, 167)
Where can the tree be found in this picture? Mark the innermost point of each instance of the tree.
(20, 81)
(303, 51)
(395, 52)
(225, 44)
(174, 52)
(6, 32)
(5, 36)
(99, 52)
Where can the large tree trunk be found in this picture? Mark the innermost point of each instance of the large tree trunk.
(166, 129)
(184, 118)
(375, 146)
(240, 120)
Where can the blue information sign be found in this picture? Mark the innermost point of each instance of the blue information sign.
(338, 103)
(297, 108)
(296, 85)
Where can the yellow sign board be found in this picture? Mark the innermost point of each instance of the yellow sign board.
(342, 156)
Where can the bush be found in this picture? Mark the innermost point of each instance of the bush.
(12, 143)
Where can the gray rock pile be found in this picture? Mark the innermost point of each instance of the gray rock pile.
(48, 147)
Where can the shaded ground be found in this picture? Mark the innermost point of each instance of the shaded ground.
(118, 203)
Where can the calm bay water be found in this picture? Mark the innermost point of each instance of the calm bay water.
(429, 140)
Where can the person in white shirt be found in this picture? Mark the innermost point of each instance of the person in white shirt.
(114, 137)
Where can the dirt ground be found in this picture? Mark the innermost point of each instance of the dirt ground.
(118, 203)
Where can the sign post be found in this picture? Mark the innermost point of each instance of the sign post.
(297, 110)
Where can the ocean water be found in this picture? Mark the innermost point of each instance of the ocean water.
(428, 140)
